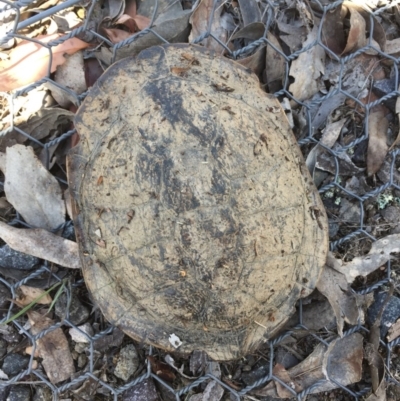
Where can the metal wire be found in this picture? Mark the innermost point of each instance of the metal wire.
(11, 11)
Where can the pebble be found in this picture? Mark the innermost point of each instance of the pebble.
(14, 364)
(78, 313)
(78, 335)
(19, 393)
(42, 393)
(144, 391)
(390, 314)
(128, 362)
(251, 377)
(16, 260)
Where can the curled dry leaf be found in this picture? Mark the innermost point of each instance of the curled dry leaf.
(174, 28)
(307, 69)
(341, 360)
(397, 109)
(200, 24)
(250, 11)
(381, 251)
(53, 348)
(29, 61)
(27, 294)
(378, 125)
(32, 190)
(274, 65)
(41, 244)
(333, 29)
(38, 124)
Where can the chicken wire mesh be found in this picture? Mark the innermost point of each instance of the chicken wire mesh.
(310, 121)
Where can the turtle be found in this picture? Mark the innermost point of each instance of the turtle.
(198, 223)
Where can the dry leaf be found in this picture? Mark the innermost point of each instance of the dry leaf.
(32, 190)
(38, 125)
(397, 141)
(341, 361)
(378, 125)
(394, 331)
(274, 64)
(356, 38)
(255, 62)
(174, 28)
(381, 251)
(307, 69)
(200, 21)
(29, 61)
(250, 11)
(328, 139)
(27, 294)
(333, 285)
(53, 348)
(281, 373)
(41, 244)
(71, 75)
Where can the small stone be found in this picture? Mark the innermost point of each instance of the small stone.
(392, 215)
(42, 393)
(251, 377)
(390, 314)
(19, 393)
(4, 393)
(14, 364)
(78, 335)
(5, 296)
(11, 259)
(82, 361)
(128, 362)
(11, 335)
(3, 347)
(78, 313)
(213, 392)
(144, 391)
(349, 211)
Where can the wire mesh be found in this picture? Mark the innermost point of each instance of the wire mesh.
(10, 14)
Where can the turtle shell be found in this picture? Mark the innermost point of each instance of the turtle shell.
(198, 223)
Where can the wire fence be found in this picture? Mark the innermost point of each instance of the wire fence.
(11, 13)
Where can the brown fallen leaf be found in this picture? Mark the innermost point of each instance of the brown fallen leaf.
(200, 24)
(356, 38)
(42, 244)
(29, 61)
(341, 360)
(32, 190)
(345, 304)
(274, 65)
(397, 110)
(381, 251)
(281, 373)
(357, 17)
(27, 294)
(378, 125)
(307, 69)
(53, 348)
(255, 62)
(161, 369)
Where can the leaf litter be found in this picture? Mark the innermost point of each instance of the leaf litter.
(337, 120)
